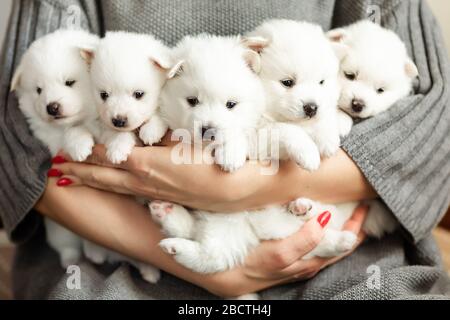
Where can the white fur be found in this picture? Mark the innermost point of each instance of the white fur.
(216, 70)
(300, 52)
(48, 64)
(122, 65)
(379, 59)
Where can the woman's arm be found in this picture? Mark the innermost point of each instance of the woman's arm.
(151, 172)
(118, 222)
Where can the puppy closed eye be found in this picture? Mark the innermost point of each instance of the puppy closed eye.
(138, 94)
(350, 75)
(381, 90)
(38, 90)
(322, 82)
(70, 83)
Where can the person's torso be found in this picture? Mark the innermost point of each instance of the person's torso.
(170, 20)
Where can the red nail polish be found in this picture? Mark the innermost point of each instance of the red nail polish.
(58, 160)
(323, 218)
(64, 182)
(54, 173)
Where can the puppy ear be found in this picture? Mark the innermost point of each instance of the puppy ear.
(15, 82)
(340, 49)
(176, 70)
(336, 35)
(253, 60)
(163, 64)
(411, 69)
(88, 54)
(256, 44)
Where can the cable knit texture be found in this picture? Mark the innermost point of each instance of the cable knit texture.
(404, 153)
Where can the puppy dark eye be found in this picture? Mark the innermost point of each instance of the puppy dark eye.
(288, 83)
(380, 90)
(70, 83)
(322, 82)
(138, 94)
(192, 101)
(104, 95)
(350, 75)
(231, 104)
(38, 90)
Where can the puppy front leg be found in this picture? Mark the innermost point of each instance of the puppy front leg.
(153, 131)
(327, 138)
(298, 145)
(232, 154)
(78, 143)
(345, 123)
(118, 145)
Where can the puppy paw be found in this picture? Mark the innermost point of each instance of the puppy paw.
(149, 273)
(82, 150)
(171, 246)
(150, 135)
(328, 147)
(230, 158)
(118, 153)
(302, 207)
(307, 158)
(346, 241)
(159, 209)
(119, 146)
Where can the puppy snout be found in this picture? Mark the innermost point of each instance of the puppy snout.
(310, 109)
(54, 109)
(120, 121)
(208, 132)
(358, 105)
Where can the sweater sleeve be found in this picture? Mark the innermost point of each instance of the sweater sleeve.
(405, 152)
(23, 159)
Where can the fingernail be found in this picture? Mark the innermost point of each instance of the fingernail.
(64, 182)
(323, 218)
(54, 173)
(58, 160)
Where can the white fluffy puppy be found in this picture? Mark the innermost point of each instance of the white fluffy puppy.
(299, 57)
(216, 87)
(128, 71)
(299, 69)
(376, 70)
(53, 87)
(215, 92)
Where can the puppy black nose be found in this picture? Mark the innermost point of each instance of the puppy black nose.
(358, 105)
(119, 121)
(310, 109)
(53, 109)
(208, 133)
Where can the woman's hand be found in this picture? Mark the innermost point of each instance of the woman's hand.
(119, 223)
(152, 172)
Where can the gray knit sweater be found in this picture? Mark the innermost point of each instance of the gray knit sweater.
(404, 153)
